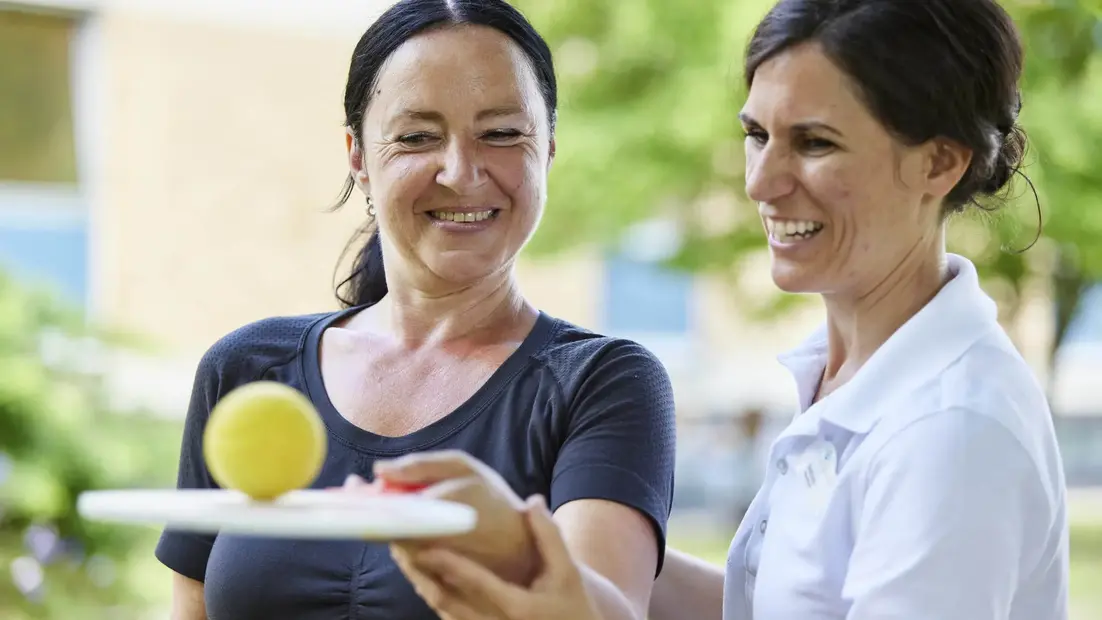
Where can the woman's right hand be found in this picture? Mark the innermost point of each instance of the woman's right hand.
(500, 540)
(459, 588)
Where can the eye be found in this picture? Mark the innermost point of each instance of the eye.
(757, 136)
(416, 139)
(502, 135)
(811, 144)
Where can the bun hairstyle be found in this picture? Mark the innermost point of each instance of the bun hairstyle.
(366, 284)
(925, 68)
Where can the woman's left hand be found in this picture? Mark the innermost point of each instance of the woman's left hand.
(501, 540)
(461, 589)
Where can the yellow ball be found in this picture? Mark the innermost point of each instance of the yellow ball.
(264, 439)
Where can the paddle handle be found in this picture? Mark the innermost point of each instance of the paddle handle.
(397, 487)
(384, 487)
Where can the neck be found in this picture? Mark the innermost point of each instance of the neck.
(857, 325)
(492, 305)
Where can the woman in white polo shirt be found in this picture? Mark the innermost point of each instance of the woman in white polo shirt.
(921, 478)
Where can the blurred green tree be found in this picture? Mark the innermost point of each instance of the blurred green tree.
(1062, 111)
(647, 120)
(59, 438)
(648, 127)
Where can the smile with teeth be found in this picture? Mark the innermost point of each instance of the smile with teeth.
(463, 216)
(791, 230)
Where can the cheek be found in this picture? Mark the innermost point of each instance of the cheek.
(396, 186)
(402, 180)
(835, 189)
(869, 209)
(853, 207)
(863, 196)
(521, 176)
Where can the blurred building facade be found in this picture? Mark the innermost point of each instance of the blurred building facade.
(173, 163)
(180, 183)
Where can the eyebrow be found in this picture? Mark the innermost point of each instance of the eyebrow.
(804, 126)
(505, 110)
(434, 116)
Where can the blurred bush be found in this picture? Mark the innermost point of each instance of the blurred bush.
(57, 439)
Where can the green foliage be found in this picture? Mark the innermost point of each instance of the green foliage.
(1062, 115)
(648, 110)
(648, 125)
(58, 439)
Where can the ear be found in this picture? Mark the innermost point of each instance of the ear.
(356, 164)
(946, 164)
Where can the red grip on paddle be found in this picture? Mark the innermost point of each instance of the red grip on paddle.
(382, 486)
(398, 487)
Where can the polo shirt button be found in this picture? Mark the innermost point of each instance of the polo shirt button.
(761, 526)
(782, 466)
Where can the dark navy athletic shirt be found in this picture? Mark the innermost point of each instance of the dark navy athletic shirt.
(571, 415)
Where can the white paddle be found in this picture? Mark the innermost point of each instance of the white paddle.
(315, 514)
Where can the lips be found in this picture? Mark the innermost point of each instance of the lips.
(788, 231)
(463, 216)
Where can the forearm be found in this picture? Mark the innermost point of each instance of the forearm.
(688, 587)
(609, 601)
(187, 599)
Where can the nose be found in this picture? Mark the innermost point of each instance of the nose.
(769, 174)
(461, 167)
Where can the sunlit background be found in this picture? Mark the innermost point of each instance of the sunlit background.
(165, 171)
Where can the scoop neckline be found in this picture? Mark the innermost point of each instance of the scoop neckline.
(364, 440)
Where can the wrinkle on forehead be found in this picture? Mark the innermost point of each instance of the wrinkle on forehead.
(803, 85)
(456, 65)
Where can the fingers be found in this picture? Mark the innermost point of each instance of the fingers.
(407, 548)
(547, 536)
(466, 579)
(355, 482)
(425, 468)
(463, 490)
(432, 589)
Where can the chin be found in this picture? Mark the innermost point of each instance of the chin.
(792, 278)
(464, 270)
(463, 277)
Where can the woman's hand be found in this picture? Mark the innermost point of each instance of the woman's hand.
(501, 540)
(461, 589)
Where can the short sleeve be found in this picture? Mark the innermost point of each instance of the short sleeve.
(621, 441)
(183, 552)
(953, 508)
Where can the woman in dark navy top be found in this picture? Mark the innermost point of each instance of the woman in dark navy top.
(450, 110)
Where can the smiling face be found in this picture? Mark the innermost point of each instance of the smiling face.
(456, 146)
(843, 202)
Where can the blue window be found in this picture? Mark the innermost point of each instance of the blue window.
(643, 297)
(1080, 440)
(43, 217)
(1086, 322)
(46, 251)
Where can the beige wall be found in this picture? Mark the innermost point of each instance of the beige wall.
(223, 147)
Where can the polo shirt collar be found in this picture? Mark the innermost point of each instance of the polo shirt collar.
(928, 343)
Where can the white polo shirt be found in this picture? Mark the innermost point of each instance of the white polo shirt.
(929, 487)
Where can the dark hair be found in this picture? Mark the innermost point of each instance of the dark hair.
(400, 23)
(925, 68)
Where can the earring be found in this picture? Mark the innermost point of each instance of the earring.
(370, 208)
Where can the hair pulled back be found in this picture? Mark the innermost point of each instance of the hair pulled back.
(925, 68)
